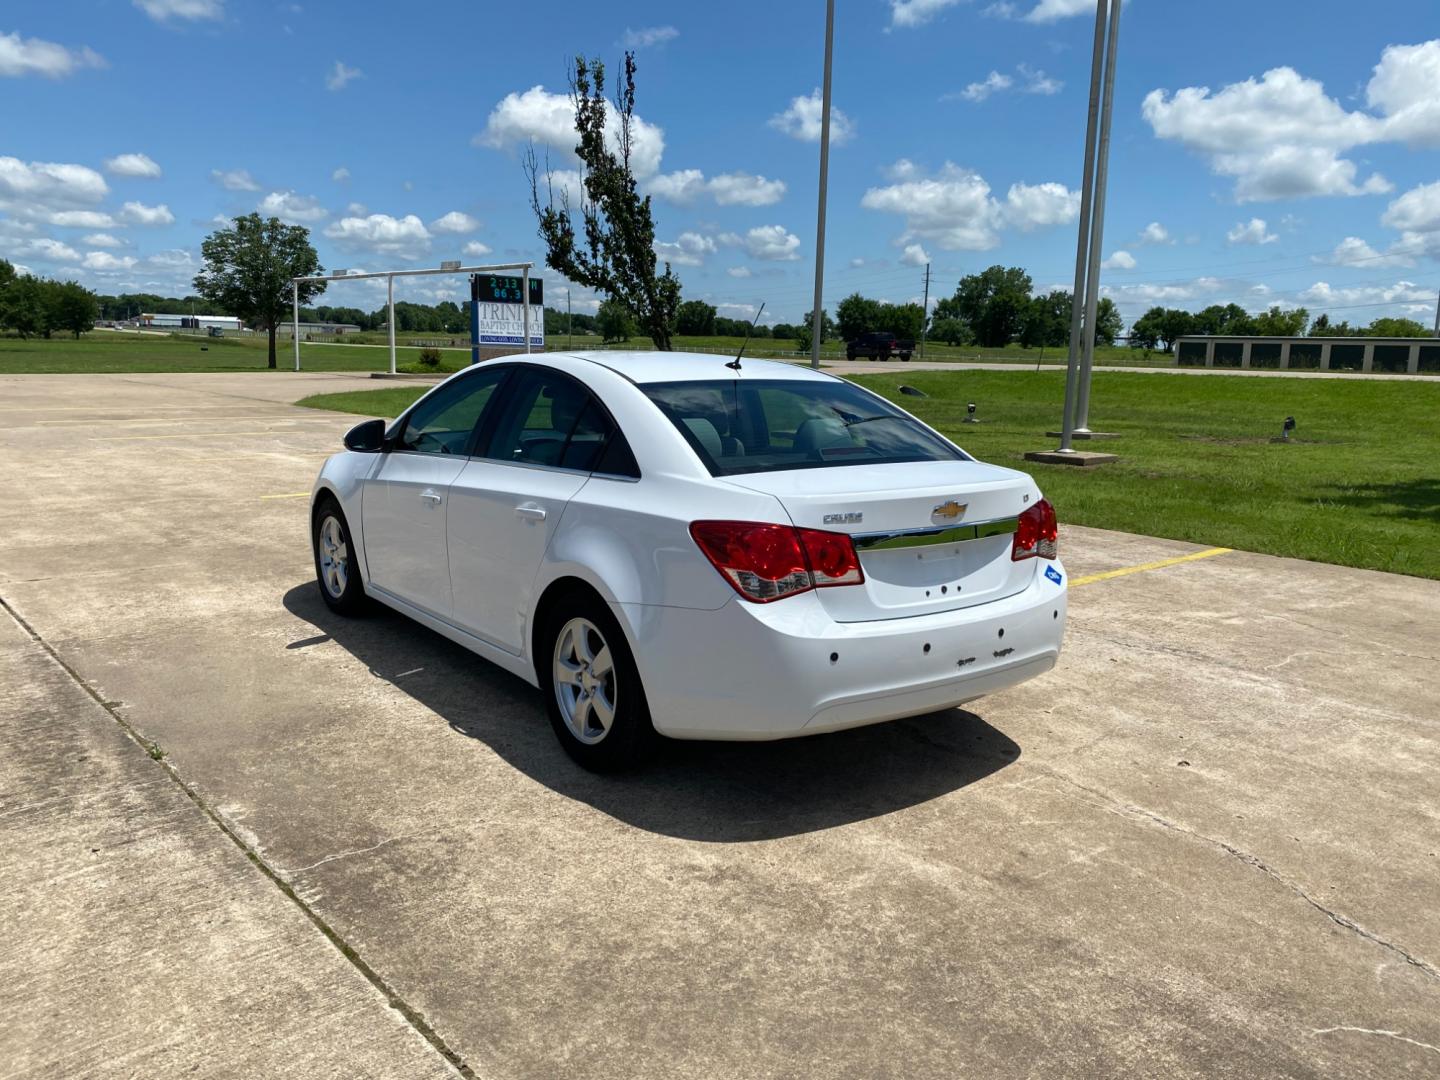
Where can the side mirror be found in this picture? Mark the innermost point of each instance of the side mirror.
(366, 438)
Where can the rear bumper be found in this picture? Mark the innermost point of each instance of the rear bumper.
(764, 671)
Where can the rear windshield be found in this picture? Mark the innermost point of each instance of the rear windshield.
(754, 425)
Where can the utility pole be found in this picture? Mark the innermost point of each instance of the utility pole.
(1085, 300)
(1437, 318)
(569, 322)
(1097, 225)
(925, 312)
(817, 317)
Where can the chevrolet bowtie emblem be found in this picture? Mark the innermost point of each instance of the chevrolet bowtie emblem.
(947, 511)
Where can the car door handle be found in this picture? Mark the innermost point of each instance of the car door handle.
(434, 498)
(531, 511)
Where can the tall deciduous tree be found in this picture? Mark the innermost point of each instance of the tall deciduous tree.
(71, 306)
(1108, 322)
(695, 318)
(617, 254)
(248, 268)
(993, 304)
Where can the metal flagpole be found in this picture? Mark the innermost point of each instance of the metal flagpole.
(1082, 248)
(295, 330)
(1097, 226)
(390, 304)
(925, 312)
(817, 317)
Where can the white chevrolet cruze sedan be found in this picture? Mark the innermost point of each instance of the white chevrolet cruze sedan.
(665, 544)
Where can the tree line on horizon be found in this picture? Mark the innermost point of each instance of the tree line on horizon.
(1159, 328)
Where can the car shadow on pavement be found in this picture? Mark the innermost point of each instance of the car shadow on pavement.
(710, 791)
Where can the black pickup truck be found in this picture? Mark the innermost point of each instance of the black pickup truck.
(879, 346)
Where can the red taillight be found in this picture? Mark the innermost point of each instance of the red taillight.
(1038, 534)
(770, 562)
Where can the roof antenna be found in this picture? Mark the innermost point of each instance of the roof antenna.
(734, 365)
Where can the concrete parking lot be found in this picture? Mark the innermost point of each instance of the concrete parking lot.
(243, 837)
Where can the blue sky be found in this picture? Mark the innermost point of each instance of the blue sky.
(1305, 174)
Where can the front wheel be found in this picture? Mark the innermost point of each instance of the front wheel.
(593, 694)
(335, 570)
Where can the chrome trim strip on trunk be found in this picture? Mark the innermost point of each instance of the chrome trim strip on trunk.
(950, 534)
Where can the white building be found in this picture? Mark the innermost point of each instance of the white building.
(191, 322)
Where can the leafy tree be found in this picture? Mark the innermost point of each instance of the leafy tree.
(993, 303)
(23, 308)
(950, 331)
(903, 320)
(1046, 322)
(248, 268)
(1278, 322)
(804, 332)
(783, 332)
(452, 319)
(1321, 326)
(1229, 321)
(1160, 327)
(7, 273)
(1108, 322)
(857, 315)
(1384, 327)
(695, 318)
(617, 256)
(614, 322)
(70, 306)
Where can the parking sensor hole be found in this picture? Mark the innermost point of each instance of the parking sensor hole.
(1057, 613)
(944, 589)
(834, 657)
(1002, 631)
(927, 646)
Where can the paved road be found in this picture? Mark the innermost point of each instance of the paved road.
(1205, 845)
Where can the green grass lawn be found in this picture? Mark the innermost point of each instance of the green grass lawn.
(1358, 485)
(111, 351)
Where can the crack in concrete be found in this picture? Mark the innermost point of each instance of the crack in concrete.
(288, 874)
(392, 997)
(1377, 1031)
(1130, 810)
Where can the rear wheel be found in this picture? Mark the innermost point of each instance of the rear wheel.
(335, 568)
(593, 694)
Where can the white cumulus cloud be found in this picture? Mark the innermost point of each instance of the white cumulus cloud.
(381, 234)
(1155, 233)
(39, 187)
(648, 36)
(192, 10)
(82, 219)
(32, 56)
(914, 255)
(234, 179)
(802, 120)
(549, 120)
(135, 165)
(1353, 251)
(956, 210)
(103, 261)
(1254, 231)
(101, 240)
(912, 13)
(689, 249)
(341, 175)
(687, 186)
(139, 214)
(474, 247)
(454, 222)
(292, 207)
(773, 243)
(1120, 260)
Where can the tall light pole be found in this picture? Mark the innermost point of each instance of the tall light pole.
(1097, 224)
(817, 317)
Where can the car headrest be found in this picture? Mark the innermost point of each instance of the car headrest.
(705, 434)
(817, 433)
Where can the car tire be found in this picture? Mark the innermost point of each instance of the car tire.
(593, 694)
(336, 571)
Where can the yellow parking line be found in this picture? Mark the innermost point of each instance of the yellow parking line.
(1091, 579)
(291, 495)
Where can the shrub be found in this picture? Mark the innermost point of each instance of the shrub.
(429, 357)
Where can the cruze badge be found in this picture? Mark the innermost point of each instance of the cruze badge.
(947, 511)
(844, 519)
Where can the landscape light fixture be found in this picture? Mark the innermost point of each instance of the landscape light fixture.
(970, 410)
(1288, 427)
(913, 391)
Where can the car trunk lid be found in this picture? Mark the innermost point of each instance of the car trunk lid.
(932, 536)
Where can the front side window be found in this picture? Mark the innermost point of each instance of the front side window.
(444, 421)
(748, 426)
(550, 419)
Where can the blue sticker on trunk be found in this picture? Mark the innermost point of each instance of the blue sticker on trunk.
(1053, 575)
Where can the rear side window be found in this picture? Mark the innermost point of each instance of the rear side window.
(550, 419)
(748, 426)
